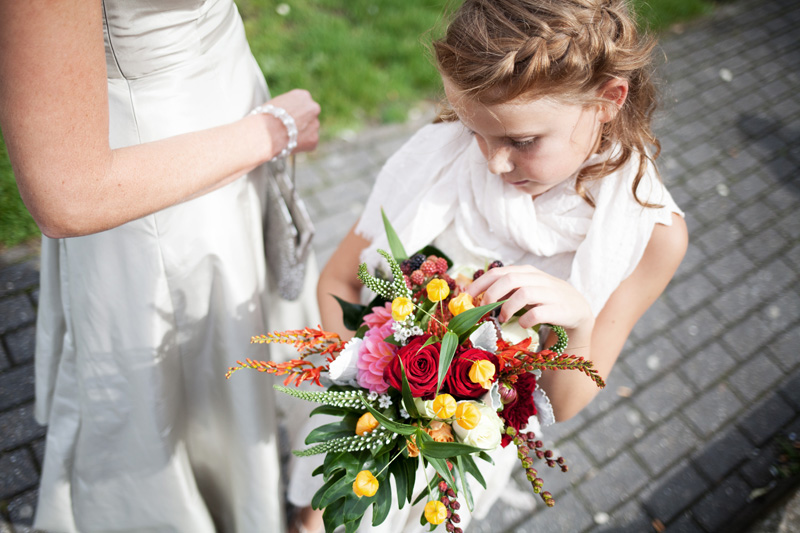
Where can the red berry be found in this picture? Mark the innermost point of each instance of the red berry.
(495, 264)
(441, 265)
(417, 277)
(407, 280)
(478, 273)
(429, 268)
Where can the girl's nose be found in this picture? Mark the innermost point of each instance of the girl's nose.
(500, 161)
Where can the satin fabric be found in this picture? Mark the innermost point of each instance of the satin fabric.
(137, 325)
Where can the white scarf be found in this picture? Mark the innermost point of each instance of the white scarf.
(440, 178)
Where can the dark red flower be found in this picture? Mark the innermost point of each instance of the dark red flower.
(422, 368)
(517, 413)
(457, 381)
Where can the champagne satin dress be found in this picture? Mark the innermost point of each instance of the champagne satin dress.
(137, 325)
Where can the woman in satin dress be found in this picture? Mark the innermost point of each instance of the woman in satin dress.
(128, 128)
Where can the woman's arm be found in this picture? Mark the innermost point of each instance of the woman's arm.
(571, 391)
(54, 114)
(340, 278)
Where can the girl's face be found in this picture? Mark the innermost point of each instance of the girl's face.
(533, 145)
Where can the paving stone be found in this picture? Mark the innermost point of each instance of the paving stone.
(755, 377)
(697, 331)
(766, 419)
(717, 507)
(765, 244)
(695, 258)
(608, 398)
(708, 365)
(651, 359)
(756, 216)
(720, 238)
(17, 473)
(664, 397)
(21, 509)
(690, 292)
(17, 426)
(715, 407)
(16, 311)
(783, 311)
(685, 523)
(723, 454)
(614, 483)
(670, 441)
(4, 361)
(680, 487)
(630, 518)
(608, 435)
(21, 344)
(570, 515)
(18, 277)
(16, 386)
(657, 318)
(38, 451)
(730, 267)
(576, 459)
(757, 471)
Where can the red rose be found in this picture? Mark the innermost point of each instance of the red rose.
(457, 381)
(517, 413)
(422, 368)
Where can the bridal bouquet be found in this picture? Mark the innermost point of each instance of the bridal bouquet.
(429, 377)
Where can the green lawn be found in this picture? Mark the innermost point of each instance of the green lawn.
(363, 60)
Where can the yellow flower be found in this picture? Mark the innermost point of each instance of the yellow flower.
(437, 290)
(366, 423)
(444, 406)
(460, 303)
(467, 415)
(365, 484)
(482, 372)
(435, 512)
(401, 308)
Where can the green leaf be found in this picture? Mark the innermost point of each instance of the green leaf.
(334, 430)
(383, 501)
(332, 515)
(408, 398)
(462, 473)
(440, 465)
(391, 425)
(351, 313)
(445, 450)
(330, 485)
(486, 457)
(330, 410)
(472, 469)
(395, 245)
(462, 323)
(433, 250)
(426, 491)
(446, 354)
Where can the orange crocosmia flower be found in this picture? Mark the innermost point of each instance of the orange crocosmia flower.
(365, 484)
(366, 423)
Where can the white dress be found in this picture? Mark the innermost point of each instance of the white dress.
(137, 325)
(437, 189)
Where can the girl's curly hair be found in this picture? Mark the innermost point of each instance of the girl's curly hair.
(496, 51)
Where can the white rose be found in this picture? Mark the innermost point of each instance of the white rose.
(486, 435)
(514, 333)
(425, 408)
(344, 369)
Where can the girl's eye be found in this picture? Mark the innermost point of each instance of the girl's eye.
(521, 145)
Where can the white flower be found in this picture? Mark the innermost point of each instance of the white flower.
(486, 435)
(485, 337)
(424, 408)
(372, 396)
(384, 401)
(404, 413)
(514, 333)
(344, 369)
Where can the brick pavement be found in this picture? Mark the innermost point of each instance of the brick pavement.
(708, 384)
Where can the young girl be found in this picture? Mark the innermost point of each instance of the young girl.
(541, 160)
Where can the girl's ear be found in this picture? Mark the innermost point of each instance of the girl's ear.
(614, 91)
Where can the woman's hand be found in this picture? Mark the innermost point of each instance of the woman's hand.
(548, 300)
(305, 112)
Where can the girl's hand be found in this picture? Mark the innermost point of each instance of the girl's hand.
(305, 112)
(549, 300)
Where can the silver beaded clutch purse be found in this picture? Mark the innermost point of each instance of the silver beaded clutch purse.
(288, 231)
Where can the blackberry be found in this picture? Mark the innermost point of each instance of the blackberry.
(495, 264)
(415, 261)
(405, 267)
(478, 273)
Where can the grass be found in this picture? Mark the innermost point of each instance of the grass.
(363, 60)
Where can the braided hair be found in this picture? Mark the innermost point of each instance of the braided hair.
(496, 51)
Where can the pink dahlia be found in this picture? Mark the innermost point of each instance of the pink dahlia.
(373, 356)
(379, 316)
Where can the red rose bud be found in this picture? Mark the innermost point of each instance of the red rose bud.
(548, 454)
(442, 486)
(507, 394)
(451, 493)
(539, 454)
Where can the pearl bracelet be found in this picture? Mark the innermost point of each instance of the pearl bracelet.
(282, 115)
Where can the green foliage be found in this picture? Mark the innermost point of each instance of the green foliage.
(16, 224)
